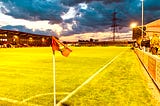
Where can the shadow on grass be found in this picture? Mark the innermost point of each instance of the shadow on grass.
(65, 104)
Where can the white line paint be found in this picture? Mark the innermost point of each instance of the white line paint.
(9, 100)
(16, 102)
(88, 80)
(39, 95)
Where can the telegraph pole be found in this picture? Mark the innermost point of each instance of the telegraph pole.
(114, 25)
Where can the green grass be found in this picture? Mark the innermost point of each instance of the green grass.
(121, 84)
(26, 72)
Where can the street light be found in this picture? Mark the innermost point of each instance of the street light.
(142, 17)
(137, 33)
(133, 25)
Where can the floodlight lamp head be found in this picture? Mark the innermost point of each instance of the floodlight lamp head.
(133, 25)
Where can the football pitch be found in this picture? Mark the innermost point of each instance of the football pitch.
(90, 76)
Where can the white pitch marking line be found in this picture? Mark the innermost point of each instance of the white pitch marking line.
(15, 101)
(88, 80)
(9, 100)
(39, 95)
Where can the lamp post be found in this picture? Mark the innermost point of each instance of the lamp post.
(142, 17)
(133, 25)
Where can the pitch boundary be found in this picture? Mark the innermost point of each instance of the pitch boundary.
(24, 101)
(9, 100)
(39, 95)
(16, 101)
(87, 81)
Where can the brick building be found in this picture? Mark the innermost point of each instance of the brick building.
(20, 39)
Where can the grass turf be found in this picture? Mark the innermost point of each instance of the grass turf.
(121, 84)
(26, 72)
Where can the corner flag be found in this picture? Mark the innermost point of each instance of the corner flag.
(57, 45)
(65, 51)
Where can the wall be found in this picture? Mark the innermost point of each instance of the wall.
(151, 63)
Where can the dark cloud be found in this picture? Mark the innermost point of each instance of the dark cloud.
(97, 16)
(152, 5)
(35, 9)
(24, 29)
(75, 2)
(151, 10)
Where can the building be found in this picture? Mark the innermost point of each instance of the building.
(9, 38)
(153, 28)
(151, 36)
(150, 30)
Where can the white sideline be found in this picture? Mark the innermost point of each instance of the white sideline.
(88, 80)
(30, 98)
(9, 100)
(16, 101)
(39, 95)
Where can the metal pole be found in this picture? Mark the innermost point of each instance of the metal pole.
(114, 24)
(54, 78)
(142, 18)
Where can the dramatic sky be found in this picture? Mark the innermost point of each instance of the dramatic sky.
(76, 19)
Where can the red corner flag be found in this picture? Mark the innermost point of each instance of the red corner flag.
(57, 45)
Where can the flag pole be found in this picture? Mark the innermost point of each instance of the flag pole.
(54, 78)
(142, 17)
(56, 46)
